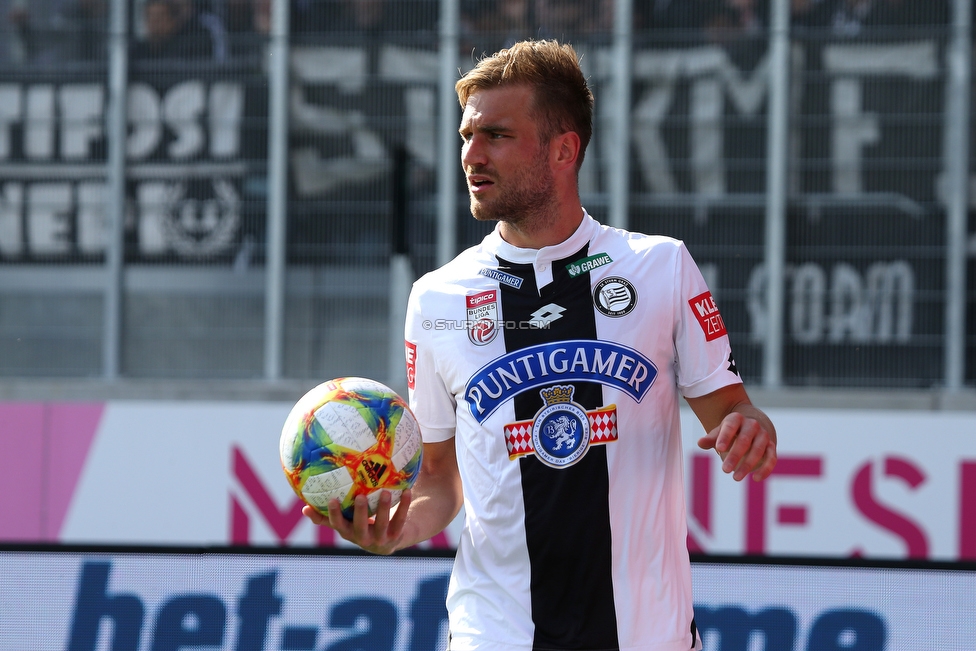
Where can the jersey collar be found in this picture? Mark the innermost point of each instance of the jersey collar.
(583, 234)
(542, 259)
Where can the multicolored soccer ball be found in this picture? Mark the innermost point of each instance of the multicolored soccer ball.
(347, 437)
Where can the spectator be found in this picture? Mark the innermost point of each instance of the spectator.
(53, 31)
(807, 13)
(489, 25)
(84, 24)
(247, 24)
(567, 19)
(168, 36)
(729, 20)
(672, 18)
(737, 25)
(204, 25)
(850, 18)
(16, 33)
(495, 24)
(357, 18)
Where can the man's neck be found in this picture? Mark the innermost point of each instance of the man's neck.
(537, 234)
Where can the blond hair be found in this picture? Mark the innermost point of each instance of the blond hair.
(562, 100)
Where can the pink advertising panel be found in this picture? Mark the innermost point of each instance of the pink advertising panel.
(850, 483)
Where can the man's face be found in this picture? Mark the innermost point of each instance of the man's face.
(160, 22)
(505, 164)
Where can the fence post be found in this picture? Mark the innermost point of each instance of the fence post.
(275, 254)
(448, 153)
(117, 122)
(618, 184)
(959, 78)
(777, 163)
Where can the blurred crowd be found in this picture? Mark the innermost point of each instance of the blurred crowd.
(65, 31)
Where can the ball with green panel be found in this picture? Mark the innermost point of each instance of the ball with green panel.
(350, 436)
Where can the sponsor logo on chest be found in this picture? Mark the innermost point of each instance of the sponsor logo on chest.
(587, 264)
(501, 276)
(584, 360)
(562, 431)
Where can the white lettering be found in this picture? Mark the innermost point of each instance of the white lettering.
(11, 211)
(626, 362)
(92, 217)
(39, 128)
(144, 120)
(599, 366)
(506, 376)
(474, 395)
(81, 119)
(851, 128)
(890, 298)
(807, 316)
(498, 387)
(528, 367)
(562, 364)
(874, 308)
(579, 359)
(49, 228)
(638, 376)
(847, 306)
(714, 76)
(225, 113)
(542, 364)
(183, 108)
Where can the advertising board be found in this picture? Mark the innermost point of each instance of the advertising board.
(140, 601)
(850, 483)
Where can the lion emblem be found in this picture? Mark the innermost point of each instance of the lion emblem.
(562, 431)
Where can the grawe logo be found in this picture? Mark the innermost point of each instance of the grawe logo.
(250, 501)
(587, 264)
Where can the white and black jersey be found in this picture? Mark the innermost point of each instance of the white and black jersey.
(559, 372)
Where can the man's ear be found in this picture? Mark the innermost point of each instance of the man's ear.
(564, 150)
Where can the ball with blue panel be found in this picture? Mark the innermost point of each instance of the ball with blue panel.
(350, 436)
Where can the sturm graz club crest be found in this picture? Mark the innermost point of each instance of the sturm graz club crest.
(614, 296)
(562, 431)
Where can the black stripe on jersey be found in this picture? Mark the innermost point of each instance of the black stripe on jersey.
(567, 510)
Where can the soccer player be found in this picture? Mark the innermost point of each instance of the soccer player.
(545, 367)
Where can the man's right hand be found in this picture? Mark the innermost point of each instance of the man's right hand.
(378, 534)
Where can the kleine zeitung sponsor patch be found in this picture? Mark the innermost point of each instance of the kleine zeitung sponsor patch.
(704, 308)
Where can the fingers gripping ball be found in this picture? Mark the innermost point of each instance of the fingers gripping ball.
(347, 437)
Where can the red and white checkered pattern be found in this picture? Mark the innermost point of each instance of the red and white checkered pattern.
(603, 429)
(603, 424)
(518, 438)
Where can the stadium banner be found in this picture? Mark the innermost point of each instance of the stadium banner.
(864, 272)
(142, 600)
(849, 483)
(197, 139)
(189, 153)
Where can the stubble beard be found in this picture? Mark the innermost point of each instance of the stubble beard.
(528, 205)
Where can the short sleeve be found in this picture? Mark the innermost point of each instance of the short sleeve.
(703, 354)
(430, 399)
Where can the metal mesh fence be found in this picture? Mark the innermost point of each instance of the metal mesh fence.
(867, 198)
